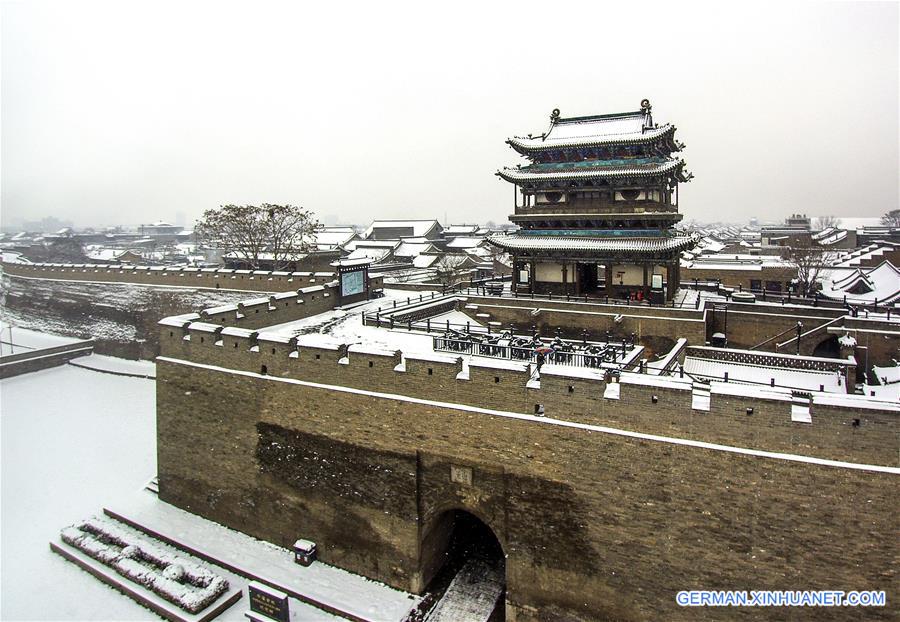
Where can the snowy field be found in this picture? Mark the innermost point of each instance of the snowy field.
(71, 441)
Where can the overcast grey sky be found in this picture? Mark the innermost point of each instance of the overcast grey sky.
(118, 112)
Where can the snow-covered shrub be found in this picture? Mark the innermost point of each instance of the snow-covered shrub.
(187, 585)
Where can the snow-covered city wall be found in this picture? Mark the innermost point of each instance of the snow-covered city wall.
(845, 427)
(171, 276)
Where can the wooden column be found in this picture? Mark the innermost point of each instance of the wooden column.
(515, 274)
(609, 278)
(670, 281)
(646, 284)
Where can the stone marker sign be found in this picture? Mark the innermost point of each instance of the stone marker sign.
(268, 602)
(461, 475)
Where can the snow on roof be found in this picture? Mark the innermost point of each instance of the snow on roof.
(547, 242)
(590, 170)
(867, 253)
(626, 127)
(375, 254)
(414, 249)
(331, 237)
(420, 228)
(13, 257)
(805, 379)
(425, 261)
(465, 242)
(459, 230)
(881, 283)
(887, 375)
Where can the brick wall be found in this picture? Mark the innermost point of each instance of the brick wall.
(563, 396)
(595, 525)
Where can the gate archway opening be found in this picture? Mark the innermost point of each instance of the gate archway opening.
(829, 348)
(461, 548)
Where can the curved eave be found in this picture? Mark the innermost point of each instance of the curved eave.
(516, 175)
(533, 243)
(527, 146)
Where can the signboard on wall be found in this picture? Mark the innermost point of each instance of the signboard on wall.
(353, 283)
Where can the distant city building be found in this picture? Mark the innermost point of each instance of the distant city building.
(163, 232)
(596, 206)
(798, 220)
(396, 229)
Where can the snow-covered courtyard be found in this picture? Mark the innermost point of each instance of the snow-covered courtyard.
(71, 440)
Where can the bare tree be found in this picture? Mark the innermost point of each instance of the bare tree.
(892, 218)
(824, 222)
(250, 230)
(811, 261)
(449, 269)
(404, 274)
(290, 232)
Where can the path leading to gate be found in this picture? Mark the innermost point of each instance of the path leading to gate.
(474, 594)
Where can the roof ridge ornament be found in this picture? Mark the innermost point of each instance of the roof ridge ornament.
(554, 118)
(648, 118)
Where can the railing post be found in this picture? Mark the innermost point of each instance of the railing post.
(467, 327)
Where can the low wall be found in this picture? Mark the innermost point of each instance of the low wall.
(43, 358)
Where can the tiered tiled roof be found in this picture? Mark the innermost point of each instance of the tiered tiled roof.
(624, 145)
(596, 169)
(629, 128)
(518, 241)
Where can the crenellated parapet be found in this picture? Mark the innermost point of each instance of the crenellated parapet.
(841, 427)
(171, 276)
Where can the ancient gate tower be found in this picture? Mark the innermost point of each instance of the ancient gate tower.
(596, 205)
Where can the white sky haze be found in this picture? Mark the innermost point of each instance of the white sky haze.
(124, 112)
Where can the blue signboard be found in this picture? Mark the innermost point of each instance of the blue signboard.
(353, 282)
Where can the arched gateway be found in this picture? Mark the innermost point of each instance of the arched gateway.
(462, 563)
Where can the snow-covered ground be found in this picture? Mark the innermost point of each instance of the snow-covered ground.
(71, 440)
(14, 340)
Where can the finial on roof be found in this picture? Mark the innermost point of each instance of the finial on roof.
(554, 116)
(645, 105)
